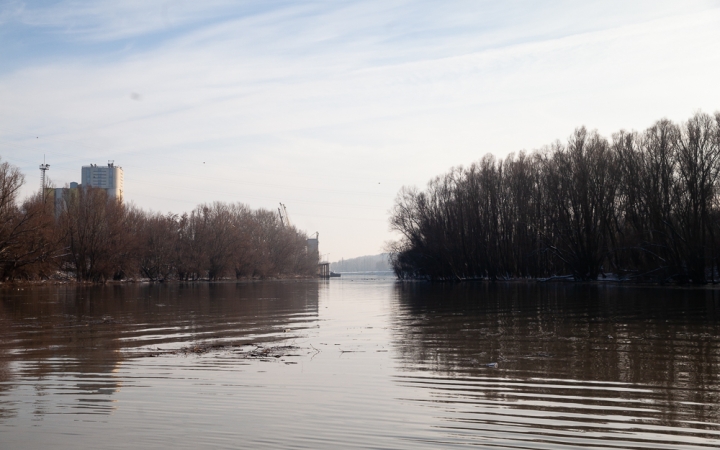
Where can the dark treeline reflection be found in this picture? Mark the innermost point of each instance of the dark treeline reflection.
(73, 339)
(49, 331)
(89, 236)
(662, 340)
(65, 320)
(641, 205)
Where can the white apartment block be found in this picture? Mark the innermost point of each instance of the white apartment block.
(108, 177)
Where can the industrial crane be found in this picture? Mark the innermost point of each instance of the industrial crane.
(284, 218)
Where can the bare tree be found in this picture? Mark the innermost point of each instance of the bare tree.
(645, 206)
(95, 232)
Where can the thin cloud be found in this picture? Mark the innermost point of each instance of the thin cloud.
(338, 96)
(112, 20)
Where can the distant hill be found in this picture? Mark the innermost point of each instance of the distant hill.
(370, 263)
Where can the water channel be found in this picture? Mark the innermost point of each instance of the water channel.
(359, 362)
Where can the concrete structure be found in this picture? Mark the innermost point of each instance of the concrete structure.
(313, 248)
(61, 196)
(108, 177)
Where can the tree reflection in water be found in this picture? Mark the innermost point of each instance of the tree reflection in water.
(582, 354)
(85, 333)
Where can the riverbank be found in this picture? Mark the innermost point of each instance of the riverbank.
(72, 281)
(569, 280)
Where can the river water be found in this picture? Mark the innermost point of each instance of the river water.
(359, 362)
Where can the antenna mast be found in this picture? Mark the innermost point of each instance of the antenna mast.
(43, 168)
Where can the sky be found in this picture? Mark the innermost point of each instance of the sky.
(330, 107)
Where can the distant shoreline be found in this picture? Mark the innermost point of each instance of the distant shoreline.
(557, 281)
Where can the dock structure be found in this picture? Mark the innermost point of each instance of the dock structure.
(324, 269)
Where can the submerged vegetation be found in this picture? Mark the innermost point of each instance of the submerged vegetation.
(91, 237)
(641, 206)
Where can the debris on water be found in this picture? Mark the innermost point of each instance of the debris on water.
(198, 348)
(105, 320)
(276, 351)
(243, 350)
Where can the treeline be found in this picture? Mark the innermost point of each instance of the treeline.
(639, 206)
(91, 237)
(369, 263)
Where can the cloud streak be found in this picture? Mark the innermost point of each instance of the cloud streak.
(321, 104)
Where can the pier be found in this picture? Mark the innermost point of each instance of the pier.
(324, 269)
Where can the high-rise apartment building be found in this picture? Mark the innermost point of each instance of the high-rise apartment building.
(108, 177)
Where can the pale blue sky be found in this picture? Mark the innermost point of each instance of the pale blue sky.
(331, 107)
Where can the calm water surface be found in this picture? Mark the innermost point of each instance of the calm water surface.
(361, 362)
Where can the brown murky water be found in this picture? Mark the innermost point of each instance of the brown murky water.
(361, 362)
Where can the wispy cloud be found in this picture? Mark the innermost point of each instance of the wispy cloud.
(111, 20)
(308, 103)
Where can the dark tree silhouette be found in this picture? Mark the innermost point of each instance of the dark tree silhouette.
(642, 206)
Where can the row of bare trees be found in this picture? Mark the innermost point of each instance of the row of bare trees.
(641, 205)
(25, 237)
(90, 237)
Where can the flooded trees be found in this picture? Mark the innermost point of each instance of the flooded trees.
(643, 206)
(11, 219)
(157, 241)
(669, 199)
(698, 164)
(95, 231)
(218, 236)
(90, 236)
(37, 247)
(220, 240)
(580, 182)
(27, 241)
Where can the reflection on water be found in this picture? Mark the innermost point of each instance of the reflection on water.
(71, 340)
(607, 365)
(374, 364)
